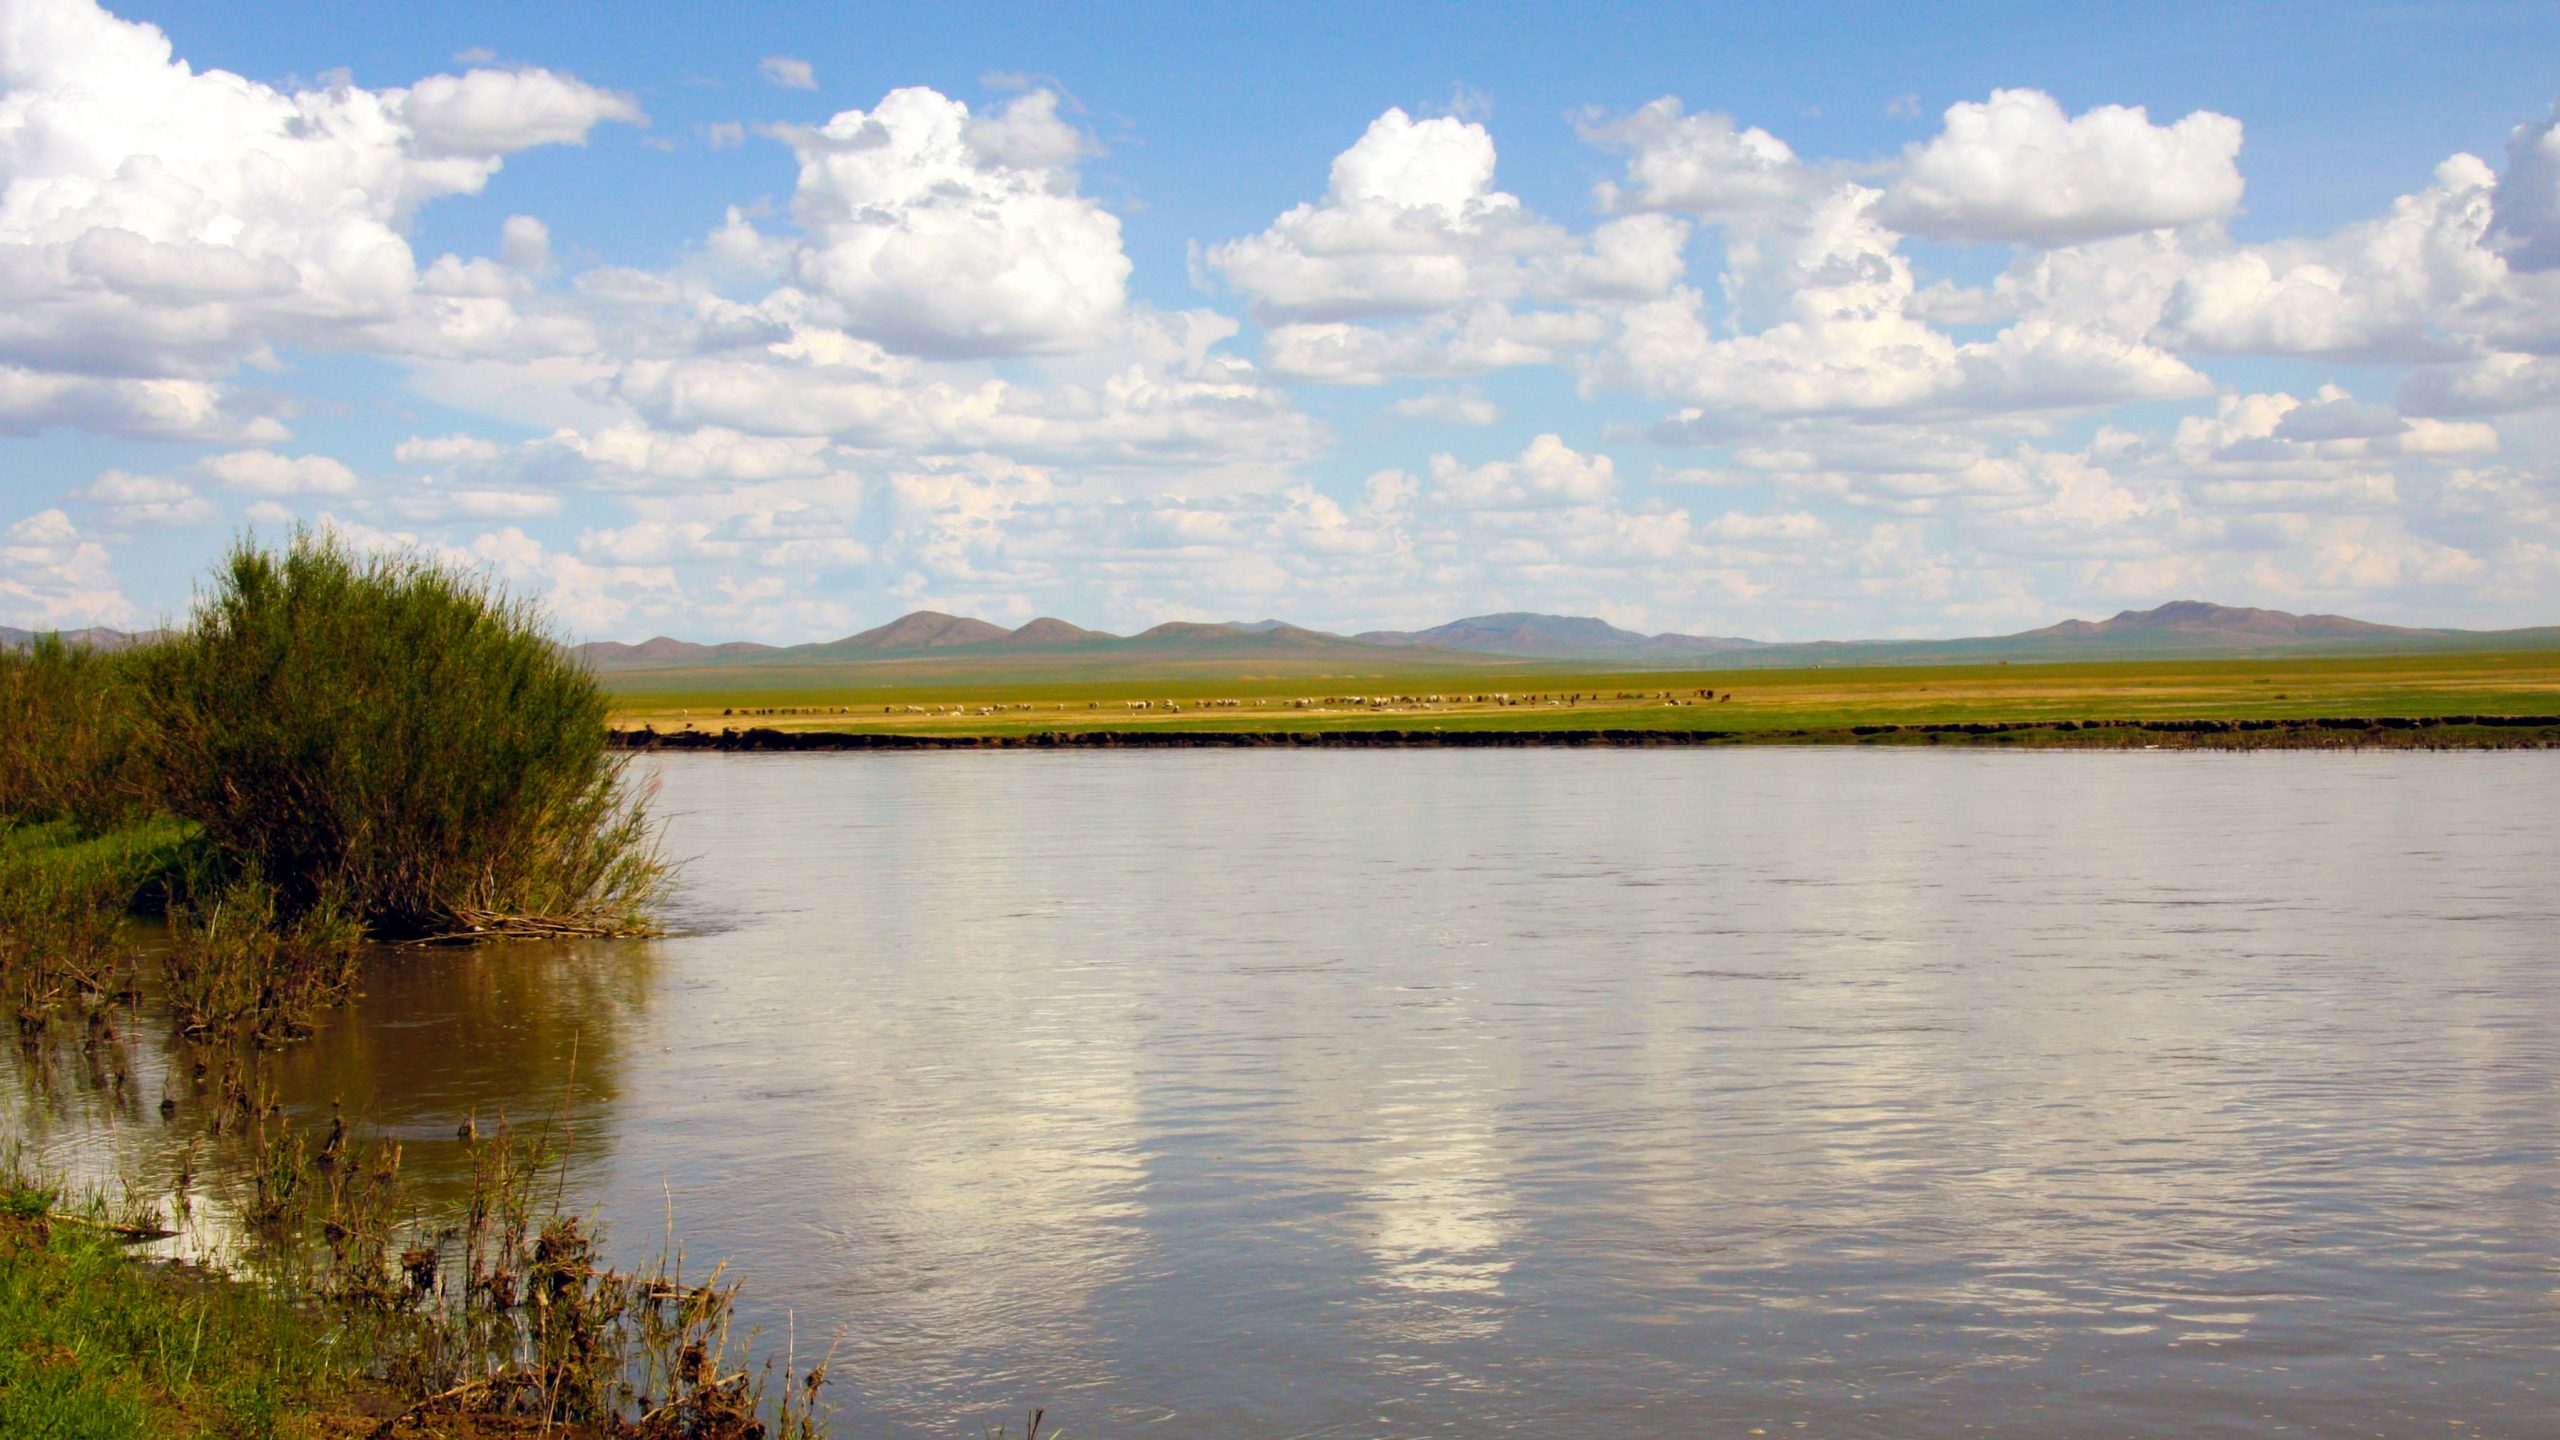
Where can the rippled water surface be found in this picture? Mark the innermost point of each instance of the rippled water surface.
(1573, 1092)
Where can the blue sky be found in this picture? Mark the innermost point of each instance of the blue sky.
(1799, 321)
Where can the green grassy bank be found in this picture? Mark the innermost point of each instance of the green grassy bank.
(350, 1315)
(1789, 706)
(95, 1345)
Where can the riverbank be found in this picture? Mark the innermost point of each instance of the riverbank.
(343, 1304)
(2334, 697)
(2395, 732)
(97, 1343)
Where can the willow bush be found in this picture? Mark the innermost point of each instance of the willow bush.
(68, 737)
(397, 741)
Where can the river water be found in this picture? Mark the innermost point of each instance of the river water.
(1797, 1092)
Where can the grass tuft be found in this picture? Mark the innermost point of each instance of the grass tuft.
(234, 963)
(63, 896)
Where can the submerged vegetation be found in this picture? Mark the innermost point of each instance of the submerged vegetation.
(233, 958)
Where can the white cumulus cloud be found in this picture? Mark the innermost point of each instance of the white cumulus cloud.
(2392, 288)
(933, 236)
(148, 409)
(1703, 164)
(1834, 302)
(2017, 168)
(53, 577)
(162, 224)
(498, 112)
(1413, 264)
(1410, 224)
(126, 500)
(264, 472)
(2528, 198)
(1548, 472)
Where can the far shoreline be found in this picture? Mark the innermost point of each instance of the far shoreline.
(2428, 732)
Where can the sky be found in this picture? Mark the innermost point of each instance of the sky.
(1800, 321)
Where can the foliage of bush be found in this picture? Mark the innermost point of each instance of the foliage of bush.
(398, 740)
(68, 736)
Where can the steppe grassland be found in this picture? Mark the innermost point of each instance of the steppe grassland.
(935, 697)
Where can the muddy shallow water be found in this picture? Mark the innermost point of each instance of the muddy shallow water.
(1561, 1092)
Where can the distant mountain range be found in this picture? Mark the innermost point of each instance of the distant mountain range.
(2182, 628)
(931, 634)
(1558, 636)
(2226, 624)
(96, 637)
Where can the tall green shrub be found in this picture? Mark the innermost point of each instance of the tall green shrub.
(67, 737)
(397, 740)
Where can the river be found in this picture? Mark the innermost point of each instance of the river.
(1561, 1092)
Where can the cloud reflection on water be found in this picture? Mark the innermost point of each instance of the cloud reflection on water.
(1427, 1093)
